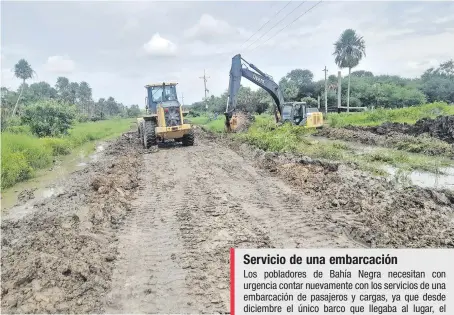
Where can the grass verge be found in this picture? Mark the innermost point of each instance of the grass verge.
(22, 154)
(209, 123)
(376, 117)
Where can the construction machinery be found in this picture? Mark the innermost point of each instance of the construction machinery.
(164, 118)
(297, 113)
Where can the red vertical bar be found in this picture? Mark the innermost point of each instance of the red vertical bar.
(232, 281)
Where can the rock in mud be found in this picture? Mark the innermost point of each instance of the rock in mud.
(25, 195)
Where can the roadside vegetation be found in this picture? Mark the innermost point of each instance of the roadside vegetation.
(264, 134)
(23, 153)
(40, 122)
(379, 116)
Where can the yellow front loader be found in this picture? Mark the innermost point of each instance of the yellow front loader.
(164, 118)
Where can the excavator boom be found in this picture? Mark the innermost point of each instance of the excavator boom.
(258, 77)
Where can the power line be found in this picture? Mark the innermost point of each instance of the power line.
(266, 23)
(305, 12)
(275, 24)
(269, 20)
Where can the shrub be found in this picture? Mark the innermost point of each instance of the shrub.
(49, 118)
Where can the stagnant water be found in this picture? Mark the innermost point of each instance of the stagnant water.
(443, 180)
(43, 184)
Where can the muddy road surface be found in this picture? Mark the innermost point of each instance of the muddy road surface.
(149, 231)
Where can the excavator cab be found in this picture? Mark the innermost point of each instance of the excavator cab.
(298, 113)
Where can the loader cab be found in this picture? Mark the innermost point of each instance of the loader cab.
(161, 94)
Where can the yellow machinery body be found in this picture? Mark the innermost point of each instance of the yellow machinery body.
(164, 119)
(314, 120)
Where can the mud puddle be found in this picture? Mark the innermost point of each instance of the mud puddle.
(24, 195)
(442, 180)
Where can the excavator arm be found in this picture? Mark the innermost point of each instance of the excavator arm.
(258, 77)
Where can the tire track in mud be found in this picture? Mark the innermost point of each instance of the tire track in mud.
(194, 204)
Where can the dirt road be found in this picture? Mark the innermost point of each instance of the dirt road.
(194, 204)
(150, 232)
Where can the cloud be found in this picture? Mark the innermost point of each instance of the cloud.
(60, 64)
(210, 29)
(158, 46)
(8, 79)
(131, 24)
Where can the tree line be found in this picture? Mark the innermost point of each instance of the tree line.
(363, 88)
(75, 95)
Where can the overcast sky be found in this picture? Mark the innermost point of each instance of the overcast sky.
(118, 47)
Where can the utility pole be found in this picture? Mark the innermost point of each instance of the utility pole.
(182, 99)
(339, 81)
(205, 85)
(326, 92)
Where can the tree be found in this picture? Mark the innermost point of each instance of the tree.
(23, 71)
(85, 96)
(349, 49)
(438, 84)
(62, 87)
(133, 111)
(297, 81)
(362, 74)
(48, 118)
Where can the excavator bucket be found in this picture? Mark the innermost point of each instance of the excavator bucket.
(238, 121)
(231, 122)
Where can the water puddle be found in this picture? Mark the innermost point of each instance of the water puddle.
(445, 180)
(43, 184)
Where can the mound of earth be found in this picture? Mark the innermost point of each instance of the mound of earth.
(441, 128)
(244, 121)
(59, 258)
(384, 215)
(415, 144)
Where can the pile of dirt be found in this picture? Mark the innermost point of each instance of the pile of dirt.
(416, 144)
(441, 128)
(244, 121)
(387, 215)
(59, 257)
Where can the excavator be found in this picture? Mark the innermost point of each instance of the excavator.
(296, 113)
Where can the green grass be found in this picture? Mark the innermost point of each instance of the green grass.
(22, 153)
(401, 115)
(200, 120)
(209, 123)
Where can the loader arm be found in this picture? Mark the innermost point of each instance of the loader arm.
(258, 77)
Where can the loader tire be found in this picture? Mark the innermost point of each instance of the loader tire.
(188, 139)
(149, 134)
(141, 132)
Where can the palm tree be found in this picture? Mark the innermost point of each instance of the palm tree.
(22, 70)
(349, 50)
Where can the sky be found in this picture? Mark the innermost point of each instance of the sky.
(119, 47)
